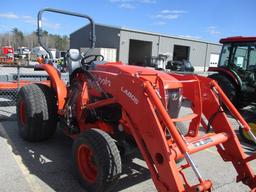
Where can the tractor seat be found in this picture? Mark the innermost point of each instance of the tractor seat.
(73, 60)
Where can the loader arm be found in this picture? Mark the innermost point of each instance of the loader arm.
(145, 116)
(135, 98)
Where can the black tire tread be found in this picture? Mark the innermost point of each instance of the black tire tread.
(41, 112)
(227, 86)
(108, 158)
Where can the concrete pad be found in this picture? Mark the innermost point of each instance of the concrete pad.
(47, 166)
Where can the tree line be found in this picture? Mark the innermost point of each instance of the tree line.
(17, 38)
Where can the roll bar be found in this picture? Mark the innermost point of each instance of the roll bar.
(39, 25)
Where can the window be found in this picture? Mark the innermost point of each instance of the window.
(252, 57)
(240, 56)
(225, 53)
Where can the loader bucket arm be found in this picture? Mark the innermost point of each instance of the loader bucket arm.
(149, 135)
(230, 150)
(146, 118)
(213, 99)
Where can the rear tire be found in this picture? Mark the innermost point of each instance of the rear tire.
(37, 112)
(96, 160)
(227, 86)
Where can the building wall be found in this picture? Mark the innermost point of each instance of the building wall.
(125, 37)
(199, 53)
(106, 37)
(111, 37)
(196, 49)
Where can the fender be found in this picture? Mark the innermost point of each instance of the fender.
(57, 84)
(230, 74)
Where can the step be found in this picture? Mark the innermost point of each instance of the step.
(185, 118)
(200, 143)
(207, 141)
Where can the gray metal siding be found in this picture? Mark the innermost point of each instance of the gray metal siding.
(106, 37)
(112, 37)
(197, 50)
(79, 38)
(199, 53)
(126, 36)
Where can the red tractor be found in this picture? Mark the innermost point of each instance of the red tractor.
(7, 55)
(236, 74)
(109, 107)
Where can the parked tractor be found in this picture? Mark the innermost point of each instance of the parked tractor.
(108, 107)
(236, 73)
(7, 55)
(160, 63)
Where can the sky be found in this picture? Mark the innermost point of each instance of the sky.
(197, 19)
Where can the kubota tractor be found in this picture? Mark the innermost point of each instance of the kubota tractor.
(236, 74)
(106, 107)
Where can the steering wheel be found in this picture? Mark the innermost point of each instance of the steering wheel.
(90, 58)
(251, 67)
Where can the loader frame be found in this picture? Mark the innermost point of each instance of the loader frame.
(160, 155)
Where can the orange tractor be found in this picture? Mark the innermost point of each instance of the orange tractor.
(106, 107)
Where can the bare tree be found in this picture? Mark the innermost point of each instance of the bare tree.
(17, 38)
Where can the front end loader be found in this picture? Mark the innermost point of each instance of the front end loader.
(106, 107)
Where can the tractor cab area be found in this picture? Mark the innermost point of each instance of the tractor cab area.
(240, 57)
(236, 75)
(237, 69)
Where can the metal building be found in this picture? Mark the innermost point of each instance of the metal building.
(134, 46)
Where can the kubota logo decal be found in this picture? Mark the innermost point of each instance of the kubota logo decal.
(130, 95)
(104, 81)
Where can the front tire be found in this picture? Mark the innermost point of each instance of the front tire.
(37, 112)
(96, 160)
